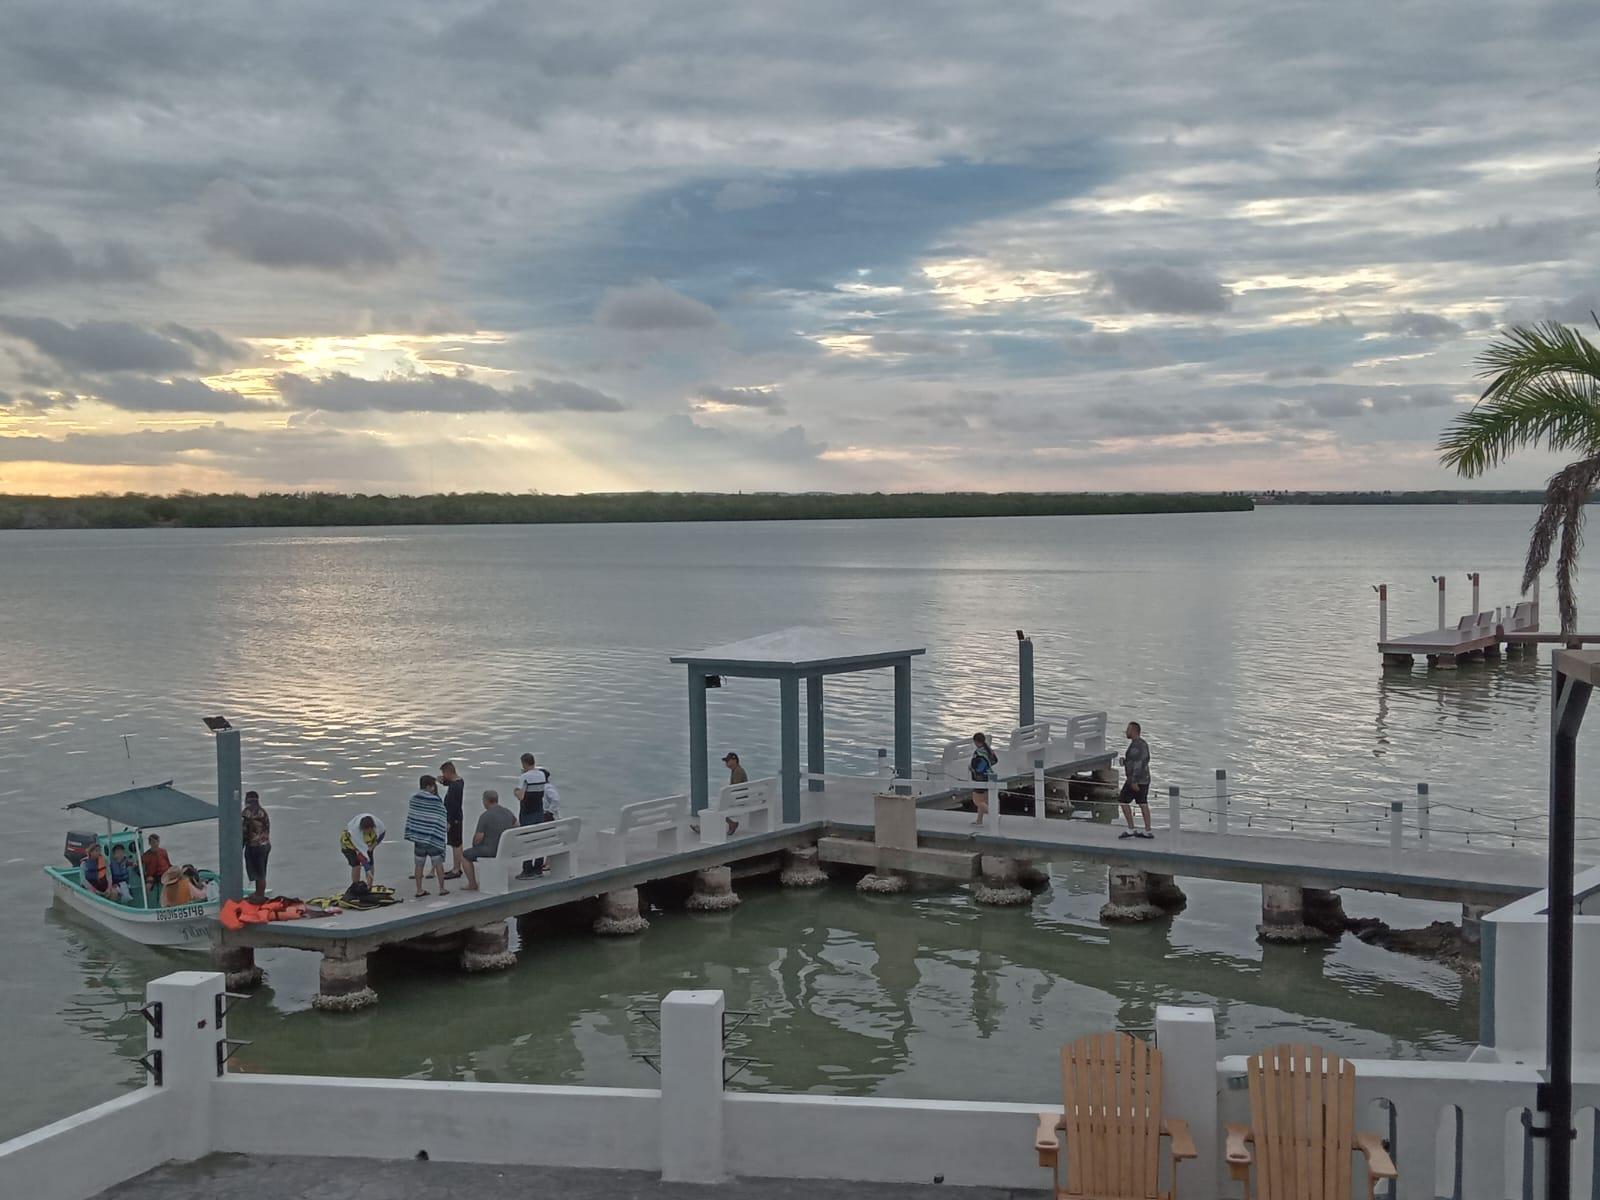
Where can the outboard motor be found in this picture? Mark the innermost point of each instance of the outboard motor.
(77, 848)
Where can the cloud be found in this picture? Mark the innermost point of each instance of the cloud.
(1421, 325)
(34, 257)
(134, 394)
(283, 236)
(710, 398)
(652, 307)
(436, 392)
(741, 194)
(112, 346)
(1159, 289)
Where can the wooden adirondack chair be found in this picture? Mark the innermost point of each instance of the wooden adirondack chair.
(1302, 1123)
(1111, 1093)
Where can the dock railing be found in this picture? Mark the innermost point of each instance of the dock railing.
(1459, 1130)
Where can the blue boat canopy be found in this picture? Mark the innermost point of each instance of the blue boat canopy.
(151, 807)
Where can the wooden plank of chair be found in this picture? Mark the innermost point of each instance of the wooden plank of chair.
(1345, 1107)
(1306, 1139)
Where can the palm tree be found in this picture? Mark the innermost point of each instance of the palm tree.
(1544, 390)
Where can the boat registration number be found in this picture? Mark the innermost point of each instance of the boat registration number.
(186, 913)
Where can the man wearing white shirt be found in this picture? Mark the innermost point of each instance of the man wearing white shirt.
(530, 793)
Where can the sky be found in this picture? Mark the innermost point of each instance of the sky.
(562, 247)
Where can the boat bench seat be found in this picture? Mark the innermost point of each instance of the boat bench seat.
(554, 841)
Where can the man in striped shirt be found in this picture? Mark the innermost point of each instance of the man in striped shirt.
(426, 830)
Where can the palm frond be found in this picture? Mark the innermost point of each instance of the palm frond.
(1527, 352)
(1558, 413)
(1566, 500)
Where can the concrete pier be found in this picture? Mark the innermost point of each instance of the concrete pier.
(998, 883)
(238, 967)
(620, 915)
(342, 984)
(1472, 922)
(488, 948)
(713, 891)
(802, 868)
(1135, 895)
(1283, 916)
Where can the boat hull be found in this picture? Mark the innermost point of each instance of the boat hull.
(187, 927)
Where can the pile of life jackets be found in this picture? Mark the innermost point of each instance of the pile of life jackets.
(236, 914)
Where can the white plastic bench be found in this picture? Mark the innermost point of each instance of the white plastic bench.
(750, 804)
(554, 841)
(1088, 732)
(1027, 743)
(665, 818)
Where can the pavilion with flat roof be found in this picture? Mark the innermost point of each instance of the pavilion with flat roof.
(790, 655)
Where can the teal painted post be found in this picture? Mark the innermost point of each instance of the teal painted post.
(789, 705)
(1025, 682)
(230, 824)
(902, 719)
(814, 729)
(698, 782)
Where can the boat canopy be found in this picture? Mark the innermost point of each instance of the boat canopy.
(151, 807)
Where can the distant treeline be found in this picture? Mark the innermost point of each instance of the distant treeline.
(133, 511)
(1441, 497)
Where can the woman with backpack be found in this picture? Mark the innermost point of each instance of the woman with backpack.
(984, 762)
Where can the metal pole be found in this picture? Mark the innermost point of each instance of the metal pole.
(1424, 807)
(789, 713)
(1222, 800)
(814, 729)
(1038, 788)
(1397, 828)
(1174, 810)
(1569, 699)
(230, 821)
(902, 719)
(699, 784)
(1383, 612)
(1439, 579)
(1024, 680)
(883, 764)
(1473, 575)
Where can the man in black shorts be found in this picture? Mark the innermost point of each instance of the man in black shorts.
(1136, 782)
(454, 789)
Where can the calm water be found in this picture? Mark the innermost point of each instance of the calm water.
(352, 659)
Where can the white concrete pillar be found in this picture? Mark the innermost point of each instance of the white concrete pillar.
(188, 1046)
(691, 1087)
(1187, 1039)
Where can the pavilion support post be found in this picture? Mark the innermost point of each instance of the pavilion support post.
(814, 757)
(230, 824)
(237, 964)
(789, 704)
(488, 948)
(699, 782)
(902, 719)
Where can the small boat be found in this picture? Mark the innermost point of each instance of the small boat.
(140, 917)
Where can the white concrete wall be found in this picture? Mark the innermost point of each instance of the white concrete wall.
(903, 1141)
(457, 1122)
(1514, 974)
(95, 1149)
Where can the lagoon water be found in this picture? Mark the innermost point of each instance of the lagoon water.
(353, 659)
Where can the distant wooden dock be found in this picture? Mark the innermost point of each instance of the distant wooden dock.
(1477, 635)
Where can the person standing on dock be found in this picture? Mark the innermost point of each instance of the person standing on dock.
(257, 843)
(1136, 781)
(425, 830)
(455, 789)
(984, 761)
(530, 806)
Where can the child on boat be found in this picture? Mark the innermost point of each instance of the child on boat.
(119, 875)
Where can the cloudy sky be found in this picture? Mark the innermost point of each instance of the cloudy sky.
(573, 247)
